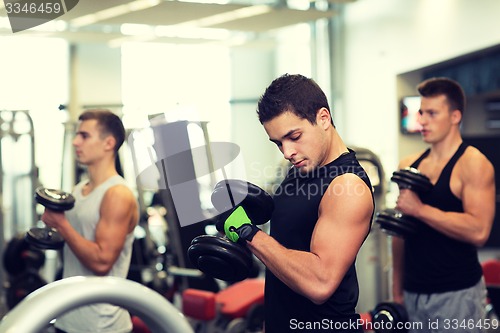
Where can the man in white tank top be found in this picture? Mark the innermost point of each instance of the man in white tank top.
(98, 231)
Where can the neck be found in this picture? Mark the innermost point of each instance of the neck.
(444, 149)
(99, 173)
(337, 146)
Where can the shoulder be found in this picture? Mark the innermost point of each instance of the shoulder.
(474, 163)
(472, 153)
(119, 192)
(348, 195)
(348, 184)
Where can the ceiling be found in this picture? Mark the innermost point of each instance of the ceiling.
(115, 21)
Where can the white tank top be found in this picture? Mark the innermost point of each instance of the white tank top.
(95, 318)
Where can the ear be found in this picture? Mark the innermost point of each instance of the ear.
(323, 118)
(110, 142)
(456, 117)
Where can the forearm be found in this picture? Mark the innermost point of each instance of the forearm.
(88, 252)
(301, 271)
(460, 226)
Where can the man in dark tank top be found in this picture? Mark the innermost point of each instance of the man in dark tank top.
(436, 272)
(322, 215)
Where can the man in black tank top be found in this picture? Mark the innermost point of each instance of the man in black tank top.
(436, 273)
(323, 211)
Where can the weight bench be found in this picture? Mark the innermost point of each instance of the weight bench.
(237, 304)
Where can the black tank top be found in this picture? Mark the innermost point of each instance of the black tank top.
(295, 215)
(434, 262)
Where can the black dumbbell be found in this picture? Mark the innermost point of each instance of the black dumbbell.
(217, 256)
(389, 317)
(57, 200)
(19, 256)
(394, 222)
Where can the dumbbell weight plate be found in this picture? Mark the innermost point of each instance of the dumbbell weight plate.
(44, 238)
(229, 193)
(389, 312)
(220, 258)
(412, 178)
(54, 199)
(395, 223)
(57, 200)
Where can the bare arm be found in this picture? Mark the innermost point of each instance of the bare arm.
(118, 216)
(344, 219)
(474, 183)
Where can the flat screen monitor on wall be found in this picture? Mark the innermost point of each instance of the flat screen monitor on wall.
(409, 115)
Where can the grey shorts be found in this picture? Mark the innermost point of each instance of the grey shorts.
(456, 311)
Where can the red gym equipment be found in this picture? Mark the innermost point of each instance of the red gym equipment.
(237, 308)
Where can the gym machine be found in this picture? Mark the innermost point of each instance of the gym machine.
(22, 263)
(18, 178)
(373, 258)
(149, 147)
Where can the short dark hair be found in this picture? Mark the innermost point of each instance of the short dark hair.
(108, 123)
(295, 93)
(444, 86)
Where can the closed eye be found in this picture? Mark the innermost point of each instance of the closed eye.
(83, 135)
(430, 113)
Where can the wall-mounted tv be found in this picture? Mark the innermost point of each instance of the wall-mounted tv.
(409, 107)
